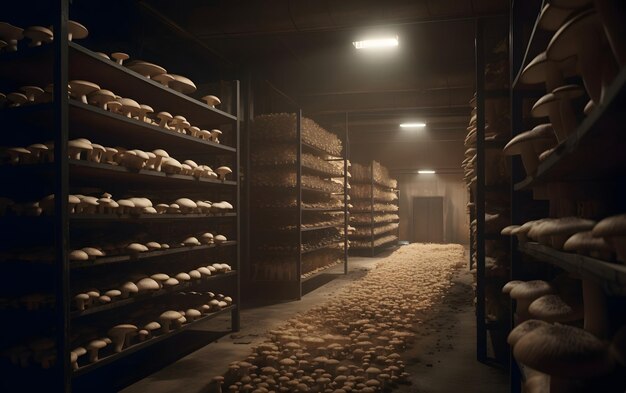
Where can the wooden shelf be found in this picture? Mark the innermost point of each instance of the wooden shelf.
(596, 150)
(319, 151)
(321, 247)
(366, 224)
(35, 65)
(151, 295)
(611, 276)
(147, 255)
(377, 235)
(319, 228)
(119, 174)
(147, 217)
(138, 347)
(111, 129)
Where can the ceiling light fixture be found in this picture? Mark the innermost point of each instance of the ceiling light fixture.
(412, 125)
(426, 172)
(377, 43)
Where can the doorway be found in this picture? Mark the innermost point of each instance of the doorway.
(427, 220)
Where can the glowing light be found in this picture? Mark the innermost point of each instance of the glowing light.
(377, 43)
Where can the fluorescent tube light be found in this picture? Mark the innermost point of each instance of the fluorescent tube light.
(377, 43)
(412, 125)
(426, 171)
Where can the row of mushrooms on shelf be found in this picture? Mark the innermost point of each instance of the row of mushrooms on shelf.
(132, 159)
(91, 94)
(39, 35)
(93, 298)
(42, 351)
(105, 204)
(602, 240)
(582, 44)
(136, 248)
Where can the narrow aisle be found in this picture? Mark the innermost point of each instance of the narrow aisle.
(431, 279)
(443, 357)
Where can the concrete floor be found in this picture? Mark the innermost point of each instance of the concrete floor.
(442, 359)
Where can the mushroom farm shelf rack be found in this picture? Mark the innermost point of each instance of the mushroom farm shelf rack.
(41, 246)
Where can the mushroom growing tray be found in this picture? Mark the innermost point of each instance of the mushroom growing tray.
(138, 347)
(611, 276)
(119, 174)
(150, 295)
(35, 65)
(146, 255)
(152, 217)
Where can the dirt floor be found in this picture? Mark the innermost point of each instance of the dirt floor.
(442, 358)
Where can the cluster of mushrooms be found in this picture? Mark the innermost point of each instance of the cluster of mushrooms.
(41, 351)
(562, 337)
(136, 248)
(350, 344)
(379, 241)
(365, 218)
(367, 231)
(133, 159)
(282, 268)
(37, 35)
(364, 207)
(602, 239)
(584, 43)
(363, 191)
(144, 285)
(282, 127)
(288, 178)
(285, 154)
(105, 204)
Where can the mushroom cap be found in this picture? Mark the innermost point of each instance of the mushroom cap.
(191, 163)
(126, 203)
(204, 271)
(136, 247)
(531, 289)
(568, 91)
(193, 241)
(152, 326)
(147, 284)
(510, 285)
(182, 276)
(82, 87)
(523, 328)
(223, 170)
(160, 153)
(542, 131)
(564, 351)
(552, 17)
(164, 115)
(563, 226)
(164, 79)
(101, 95)
(584, 241)
(120, 56)
(186, 203)
(160, 277)
(182, 84)
(215, 131)
(96, 344)
(542, 106)
(192, 312)
(171, 315)
(80, 144)
(141, 202)
(129, 286)
(552, 308)
(78, 255)
(145, 68)
(129, 103)
(211, 100)
(93, 252)
(507, 230)
(535, 71)
(77, 30)
(153, 245)
(170, 282)
(610, 226)
(113, 293)
(121, 330)
(10, 32)
(560, 46)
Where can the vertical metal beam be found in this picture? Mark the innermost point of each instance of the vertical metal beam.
(372, 208)
(481, 333)
(516, 54)
(247, 177)
(235, 316)
(299, 196)
(346, 156)
(63, 382)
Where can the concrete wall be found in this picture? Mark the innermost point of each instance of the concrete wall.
(453, 191)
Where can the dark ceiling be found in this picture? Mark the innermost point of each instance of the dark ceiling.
(305, 49)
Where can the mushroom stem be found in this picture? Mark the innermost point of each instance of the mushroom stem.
(594, 301)
(554, 76)
(568, 118)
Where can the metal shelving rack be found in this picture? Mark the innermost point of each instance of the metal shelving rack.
(294, 289)
(372, 250)
(594, 153)
(64, 119)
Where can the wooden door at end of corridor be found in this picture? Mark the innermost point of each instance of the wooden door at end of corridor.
(427, 220)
